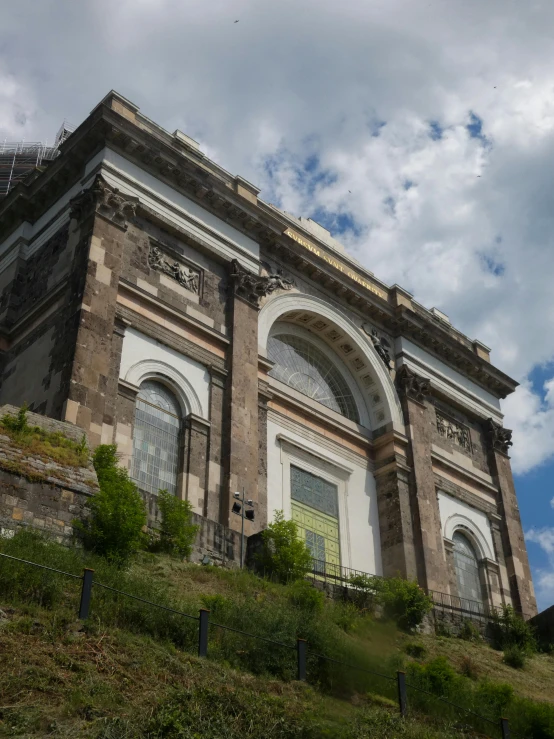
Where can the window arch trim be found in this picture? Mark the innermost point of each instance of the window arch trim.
(464, 525)
(177, 383)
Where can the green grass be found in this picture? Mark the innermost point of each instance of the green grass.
(92, 665)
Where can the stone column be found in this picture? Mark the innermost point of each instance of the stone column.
(214, 491)
(392, 480)
(264, 396)
(515, 552)
(242, 397)
(195, 462)
(430, 556)
(102, 210)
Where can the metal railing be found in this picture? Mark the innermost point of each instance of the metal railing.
(301, 647)
(334, 573)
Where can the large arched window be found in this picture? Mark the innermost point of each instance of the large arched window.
(156, 439)
(466, 564)
(304, 367)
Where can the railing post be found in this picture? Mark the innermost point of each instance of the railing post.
(203, 633)
(505, 728)
(86, 591)
(301, 652)
(402, 694)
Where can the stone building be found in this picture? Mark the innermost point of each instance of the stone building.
(155, 301)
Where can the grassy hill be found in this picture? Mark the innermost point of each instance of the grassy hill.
(131, 670)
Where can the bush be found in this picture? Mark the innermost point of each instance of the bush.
(177, 533)
(403, 602)
(515, 657)
(493, 698)
(305, 596)
(509, 629)
(284, 555)
(437, 676)
(415, 650)
(18, 424)
(469, 631)
(363, 590)
(469, 668)
(117, 511)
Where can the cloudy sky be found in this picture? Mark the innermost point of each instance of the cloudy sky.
(420, 132)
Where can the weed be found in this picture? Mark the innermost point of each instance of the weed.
(515, 656)
(469, 631)
(468, 667)
(415, 650)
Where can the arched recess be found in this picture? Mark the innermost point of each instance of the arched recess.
(354, 348)
(463, 524)
(150, 369)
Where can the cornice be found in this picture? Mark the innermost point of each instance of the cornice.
(120, 127)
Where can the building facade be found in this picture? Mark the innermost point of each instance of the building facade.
(155, 301)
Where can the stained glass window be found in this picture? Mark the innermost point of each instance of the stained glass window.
(467, 571)
(156, 439)
(314, 491)
(316, 545)
(304, 367)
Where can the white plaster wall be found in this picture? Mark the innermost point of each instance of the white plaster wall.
(449, 380)
(454, 512)
(137, 348)
(178, 209)
(359, 523)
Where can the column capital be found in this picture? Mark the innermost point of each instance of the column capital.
(499, 438)
(105, 200)
(412, 385)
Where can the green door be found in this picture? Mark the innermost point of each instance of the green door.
(314, 508)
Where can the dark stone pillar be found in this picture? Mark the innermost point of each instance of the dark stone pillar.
(214, 490)
(392, 479)
(103, 211)
(515, 551)
(431, 565)
(195, 462)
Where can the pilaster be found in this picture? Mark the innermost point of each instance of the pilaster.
(195, 461)
(430, 557)
(515, 551)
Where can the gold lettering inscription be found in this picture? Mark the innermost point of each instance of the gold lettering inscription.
(334, 263)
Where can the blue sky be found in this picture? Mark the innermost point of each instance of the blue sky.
(420, 133)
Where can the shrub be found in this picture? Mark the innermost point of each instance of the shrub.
(403, 601)
(493, 697)
(469, 631)
(284, 555)
(117, 511)
(363, 590)
(415, 650)
(305, 596)
(469, 668)
(515, 657)
(509, 629)
(437, 676)
(18, 424)
(177, 533)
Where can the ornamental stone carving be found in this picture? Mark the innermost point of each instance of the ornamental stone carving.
(254, 287)
(453, 431)
(499, 437)
(412, 385)
(381, 345)
(106, 200)
(186, 276)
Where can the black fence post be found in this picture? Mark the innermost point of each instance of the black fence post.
(402, 694)
(505, 728)
(301, 652)
(203, 632)
(86, 591)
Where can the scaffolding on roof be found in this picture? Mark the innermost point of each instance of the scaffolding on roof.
(18, 159)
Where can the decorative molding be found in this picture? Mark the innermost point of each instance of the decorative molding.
(155, 369)
(106, 200)
(254, 287)
(453, 431)
(499, 438)
(186, 276)
(412, 385)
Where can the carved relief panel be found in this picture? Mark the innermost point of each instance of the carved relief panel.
(186, 275)
(454, 431)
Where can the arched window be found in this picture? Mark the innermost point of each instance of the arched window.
(466, 564)
(304, 367)
(156, 439)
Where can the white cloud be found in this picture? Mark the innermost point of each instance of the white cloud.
(473, 234)
(533, 426)
(544, 577)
